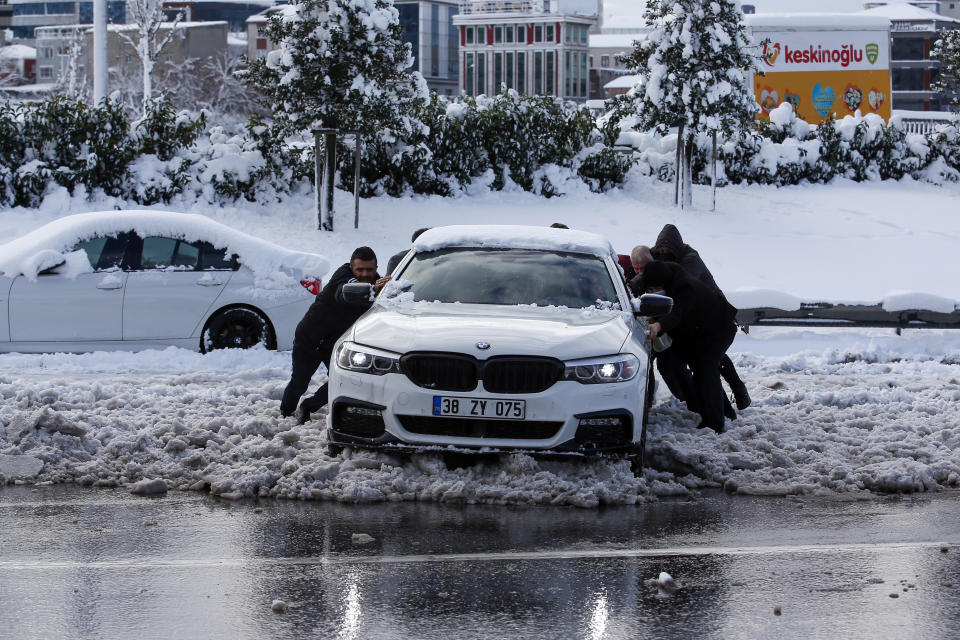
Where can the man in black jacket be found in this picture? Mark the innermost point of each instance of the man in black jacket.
(671, 248)
(702, 327)
(325, 321)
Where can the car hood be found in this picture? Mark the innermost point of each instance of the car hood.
(560, 333)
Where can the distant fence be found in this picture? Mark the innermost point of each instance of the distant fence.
(822, 314)
(922, 122)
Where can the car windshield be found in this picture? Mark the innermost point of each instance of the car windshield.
(510, 277)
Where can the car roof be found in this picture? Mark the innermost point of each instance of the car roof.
(514, 237)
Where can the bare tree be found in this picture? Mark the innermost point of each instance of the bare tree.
(72, 82)
(149, 19)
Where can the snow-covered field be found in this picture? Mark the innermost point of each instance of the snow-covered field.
(834, 410)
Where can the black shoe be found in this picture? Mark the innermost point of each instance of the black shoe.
(704, 425)
(741, 396)
(286, 414)
(728, 411)
(303, 416)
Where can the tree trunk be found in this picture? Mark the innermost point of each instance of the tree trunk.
(713, 172)
(329, 173)
(677, 168)
(147, 82)
(687, 174)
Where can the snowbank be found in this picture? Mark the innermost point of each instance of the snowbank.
(875, 413)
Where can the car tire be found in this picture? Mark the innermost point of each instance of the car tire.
(237, 328)
(637, 458)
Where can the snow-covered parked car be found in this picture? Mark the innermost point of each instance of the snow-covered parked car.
(137, 279)
(499, 337)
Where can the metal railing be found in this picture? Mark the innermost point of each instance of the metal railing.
(823, 314)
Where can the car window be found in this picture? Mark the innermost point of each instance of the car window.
(213, 258)
(161, 253)
(510, 277)
(105, 252)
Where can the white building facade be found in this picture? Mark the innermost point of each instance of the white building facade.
(537, 47)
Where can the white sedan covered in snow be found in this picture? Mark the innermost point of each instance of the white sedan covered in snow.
(137, 279)
(497, 336)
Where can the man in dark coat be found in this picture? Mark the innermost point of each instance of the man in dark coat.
(702, 328)
(671, 248)
(325, 321)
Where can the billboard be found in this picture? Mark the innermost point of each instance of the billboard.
(824, 72)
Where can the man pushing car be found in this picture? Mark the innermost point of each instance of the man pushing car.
(325, 321)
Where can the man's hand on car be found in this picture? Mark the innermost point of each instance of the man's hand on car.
(378, 285)
(654, 329)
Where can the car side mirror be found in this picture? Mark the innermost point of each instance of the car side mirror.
(357, 293)
(653, 305)
(52, 270)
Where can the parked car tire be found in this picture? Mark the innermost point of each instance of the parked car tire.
(237, 328)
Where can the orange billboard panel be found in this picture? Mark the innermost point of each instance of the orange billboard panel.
(817, 95)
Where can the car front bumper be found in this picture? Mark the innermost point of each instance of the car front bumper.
(390, 411)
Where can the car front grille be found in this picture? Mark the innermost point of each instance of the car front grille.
(471, 428)
(441, 371)
(521, 375)
(458, 372)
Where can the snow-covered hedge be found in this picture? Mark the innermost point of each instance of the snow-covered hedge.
(789, 151)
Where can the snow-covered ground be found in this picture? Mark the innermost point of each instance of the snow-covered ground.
(834, 410)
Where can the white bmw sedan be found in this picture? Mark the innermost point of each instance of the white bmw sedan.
(497, 337)
(138, 279)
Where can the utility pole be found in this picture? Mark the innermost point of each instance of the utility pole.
(99, 50)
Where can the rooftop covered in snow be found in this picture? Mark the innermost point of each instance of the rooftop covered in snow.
(861, 21)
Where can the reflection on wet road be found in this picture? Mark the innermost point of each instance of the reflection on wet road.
(81, 563)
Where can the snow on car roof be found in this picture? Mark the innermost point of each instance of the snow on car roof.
(514, 237)
(265, 259)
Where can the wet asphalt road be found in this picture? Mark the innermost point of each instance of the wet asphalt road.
(94, 563)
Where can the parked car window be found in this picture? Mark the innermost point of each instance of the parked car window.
(510, 277)
(159, 253)
(218, 259)
(105, 253)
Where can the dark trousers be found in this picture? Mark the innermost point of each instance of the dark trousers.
(676, 375)
(306, 360)
(703, 357)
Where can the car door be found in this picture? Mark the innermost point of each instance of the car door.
(168, 290)
(88, 307)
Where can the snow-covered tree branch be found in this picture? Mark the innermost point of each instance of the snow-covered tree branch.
(153, 33)
(947, 51)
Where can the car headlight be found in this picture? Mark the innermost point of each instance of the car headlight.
(354, 357)
(619, 368)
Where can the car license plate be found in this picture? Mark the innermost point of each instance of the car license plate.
(457, 407)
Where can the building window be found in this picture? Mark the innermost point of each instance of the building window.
(46, 52)
(497, 71)
(549, 33)
(481, 73)
(907, 49)
(46, 73)
(510, 71)
(584, 35)
(435, 40)
(468, 75)
(521, 72)
(453, 45)
(604, 61)
(469, 35)
(509, 33)
(481, 35)
(261, 44)
(908, 79)
(498, 35)
(538, 72)
(550, 73)
(567, 73)
(583, 75)
(538, 33)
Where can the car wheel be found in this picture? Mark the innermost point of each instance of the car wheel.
(237, 328)
(637, 458)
